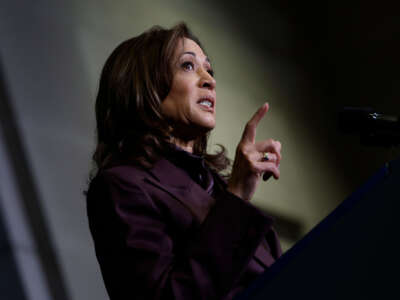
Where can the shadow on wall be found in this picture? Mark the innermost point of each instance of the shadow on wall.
(348, 50)
(288, 228)
(10, 282)
(32, 209)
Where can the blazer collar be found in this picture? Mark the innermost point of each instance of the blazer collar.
(168, 174)
(178, 184)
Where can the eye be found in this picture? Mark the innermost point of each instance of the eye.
(211, 72)
(188, 66)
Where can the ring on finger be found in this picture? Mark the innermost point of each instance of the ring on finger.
(265, 157)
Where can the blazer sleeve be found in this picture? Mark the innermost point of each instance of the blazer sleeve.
(136, 251)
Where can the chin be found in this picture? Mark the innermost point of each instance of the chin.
(204, 127)
(208, 125)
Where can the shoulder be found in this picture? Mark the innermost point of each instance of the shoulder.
(123, 176)
(126, 172)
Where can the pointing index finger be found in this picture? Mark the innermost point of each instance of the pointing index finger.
(249, 132)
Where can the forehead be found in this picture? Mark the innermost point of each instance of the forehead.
(188, 45)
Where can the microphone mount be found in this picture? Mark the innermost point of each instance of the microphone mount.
(374, 129)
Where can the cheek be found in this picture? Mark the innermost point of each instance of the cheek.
(182, 95)
(176, 105)
(181, 90)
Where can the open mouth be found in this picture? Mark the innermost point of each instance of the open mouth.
(206, 102)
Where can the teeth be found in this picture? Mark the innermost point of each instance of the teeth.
(206, 103)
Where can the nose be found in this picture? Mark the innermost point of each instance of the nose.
(207, 81)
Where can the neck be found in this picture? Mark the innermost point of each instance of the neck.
(185, 145)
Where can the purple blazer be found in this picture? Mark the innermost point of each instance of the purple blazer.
(159, 235)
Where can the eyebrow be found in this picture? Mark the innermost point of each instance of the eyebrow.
(194, 54)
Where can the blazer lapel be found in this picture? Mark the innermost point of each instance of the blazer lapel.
(179, 185)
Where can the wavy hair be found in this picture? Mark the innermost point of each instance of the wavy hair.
(134, 81)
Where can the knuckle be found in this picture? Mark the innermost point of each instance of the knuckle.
(246, 150)
(247, 153)
(253, 168)
(276, 171)
(269, 168)
(248, 159)
(276, 146)
(241, 148)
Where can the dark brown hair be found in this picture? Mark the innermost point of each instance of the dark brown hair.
(134, 81)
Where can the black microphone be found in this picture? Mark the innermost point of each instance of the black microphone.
(374, 129)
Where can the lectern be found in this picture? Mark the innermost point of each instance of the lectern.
(354, 253)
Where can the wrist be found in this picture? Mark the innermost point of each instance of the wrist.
(237, 192)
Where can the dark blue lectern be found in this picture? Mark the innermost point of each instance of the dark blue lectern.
(354, 253)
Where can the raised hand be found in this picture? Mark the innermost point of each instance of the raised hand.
(250, 162)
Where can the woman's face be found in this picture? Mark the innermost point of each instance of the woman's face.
(190, 104)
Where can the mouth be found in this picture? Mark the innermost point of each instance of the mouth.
(207, 102)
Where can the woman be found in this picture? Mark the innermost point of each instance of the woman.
(164, 223)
